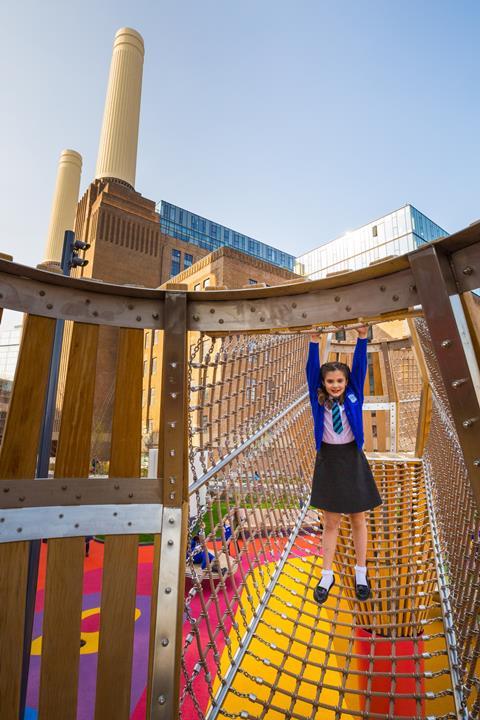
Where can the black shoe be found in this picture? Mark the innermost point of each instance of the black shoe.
(320, 594)
(363, 592)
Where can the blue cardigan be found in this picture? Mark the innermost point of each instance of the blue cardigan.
(353, 393)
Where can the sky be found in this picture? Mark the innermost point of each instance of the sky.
(291, 122)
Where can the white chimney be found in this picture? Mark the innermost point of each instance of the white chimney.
(117, 152)
(64, 205)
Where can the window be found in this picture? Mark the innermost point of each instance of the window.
(206, 282)
(236, 240)
(193, 221)
(175, 268)
(226, 234)
(252, 282)
(213, 230)
(197, 287)
(187, 261)
(154, 365)
(180, 217)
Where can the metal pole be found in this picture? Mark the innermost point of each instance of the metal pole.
(42, 472)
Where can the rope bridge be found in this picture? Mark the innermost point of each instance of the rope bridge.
(216, 618)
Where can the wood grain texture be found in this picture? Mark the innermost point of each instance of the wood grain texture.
(18, 459)
(117, 615)
(63, 589)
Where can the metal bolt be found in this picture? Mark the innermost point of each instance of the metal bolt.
(19, 530)
(155, 316)
(382, 288)
(412, 288)
(21, 498)
(171, 520)
(457, 383)
(212, 310)
(49, 306)
(168, 590)
(196, 317)
(42, 293)
(252, 309)
(172, 496)
(446, 343)
(395, 298)
(221, 321)
(95, 313)
(165, 642)
(138, 318)
(162, 699)
(173, 395)
(468, 423)
(173, 364)
(130, 495)
(294, 305)
(467, 270)
(172, 479)
(64, 487)
(172, 453)
(337, 298)
(476, 462)
(170, 543)
(130, 306)
(116, 486)
(172, 423)
(348, 308)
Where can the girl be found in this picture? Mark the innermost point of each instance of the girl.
(342, 479)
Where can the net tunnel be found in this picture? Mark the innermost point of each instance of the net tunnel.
(217, 619)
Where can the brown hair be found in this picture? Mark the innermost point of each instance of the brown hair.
(324, 369)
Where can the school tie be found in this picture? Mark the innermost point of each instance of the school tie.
(336, 417)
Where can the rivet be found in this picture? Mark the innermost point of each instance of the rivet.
(348, 308)
(130, 494)
(2, 520)
(138, 318)
(476, 462)
(64, 487)
(129, 524)
(446, 343)
(262, 319)
(172, 496)
(49, 306)
(155, 316)
(6, 490)
(196, 317)
(78, 497)
(304, 314)
(382, 288)
(172, 453)
(115, 514)
(337, 298)
(467, 270)
(294, 305)
(395, 298)
(162, 699)
(457, 383)
(77, 525)
(116, 486)
(60, 516)
(95, 313)
(19, 530)
(172, 423)
(212, 310)
(170, 543)
(165, 642)
(22, 498)
(171, 520)
(253, 309)
(130, 306)
(42, 293)
(87, 301)
(468, 423)
(168, 590)
(173, 364)
(172, 480)
(221, 321)
(173, 395)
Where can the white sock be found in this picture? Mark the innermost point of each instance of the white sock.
(327, 579)
(361, 575)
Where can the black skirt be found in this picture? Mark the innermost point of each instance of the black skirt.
(343, 481)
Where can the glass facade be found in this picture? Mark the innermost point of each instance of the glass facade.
(9, 347)
(397, 233)
(187, 226)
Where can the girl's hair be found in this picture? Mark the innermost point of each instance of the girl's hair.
(326, 368)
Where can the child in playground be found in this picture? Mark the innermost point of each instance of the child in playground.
(342, 478)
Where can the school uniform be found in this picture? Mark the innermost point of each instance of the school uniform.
(342, 479)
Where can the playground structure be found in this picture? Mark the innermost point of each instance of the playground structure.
(241, 637)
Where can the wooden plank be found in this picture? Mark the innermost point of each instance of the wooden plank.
(117, 616)
(18, 459)
(377, 376)
(424, 420)
(63, 590)
(368, 431)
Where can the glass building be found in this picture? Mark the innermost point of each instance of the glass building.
(397, 233)
(187, 226)
(9, 348)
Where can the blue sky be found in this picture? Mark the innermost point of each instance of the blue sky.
(289, 121)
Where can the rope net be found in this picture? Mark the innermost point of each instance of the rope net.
(256, 645)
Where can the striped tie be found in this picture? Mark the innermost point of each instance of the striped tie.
(336, 418)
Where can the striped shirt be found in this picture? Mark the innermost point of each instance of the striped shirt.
(329, 434)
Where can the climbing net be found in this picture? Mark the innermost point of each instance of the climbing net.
(256, 645)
